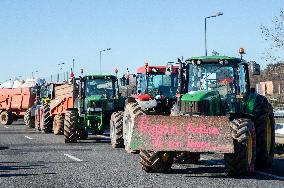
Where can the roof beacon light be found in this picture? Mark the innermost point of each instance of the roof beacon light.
(242, 51)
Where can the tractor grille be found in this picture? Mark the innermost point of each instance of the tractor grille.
(196, 107)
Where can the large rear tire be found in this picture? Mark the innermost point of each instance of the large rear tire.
(6, 118)
(58, 124)
(47, 120)
(132, 110)
(156, 161)
(116, 129)
(265, 132)
(70, 121)
(29, 121)
(242, 161)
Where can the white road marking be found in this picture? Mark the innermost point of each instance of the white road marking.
(270, 175)
(5, 126)
(28, 137)
(72, 157)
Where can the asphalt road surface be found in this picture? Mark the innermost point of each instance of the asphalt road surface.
(31, 159)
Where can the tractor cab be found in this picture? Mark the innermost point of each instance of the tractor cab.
(98, 98)
(214, 83)
(157, 85)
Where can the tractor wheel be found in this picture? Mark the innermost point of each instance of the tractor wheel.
(242, 161)
(265, 133)
(116, 129)
(6, 118)
(156, 161)
(132, 110)
(186, 157)
(70, 121)
(29, 121)
(82, 134)
(58, 124)
(47, 120)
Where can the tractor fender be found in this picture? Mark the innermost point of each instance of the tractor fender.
(147, 104)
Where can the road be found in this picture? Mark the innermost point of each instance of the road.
(32, 159)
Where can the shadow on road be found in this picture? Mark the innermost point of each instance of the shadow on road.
(8, 170)
(216, 169)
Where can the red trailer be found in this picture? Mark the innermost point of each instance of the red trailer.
(14, 102)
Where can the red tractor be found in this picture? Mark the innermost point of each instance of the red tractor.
(155, 93)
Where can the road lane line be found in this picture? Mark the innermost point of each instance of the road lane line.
(5, 126)
(269, 175)
(72, 157)
(28, 137)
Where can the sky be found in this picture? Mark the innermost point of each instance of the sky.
(37, 35)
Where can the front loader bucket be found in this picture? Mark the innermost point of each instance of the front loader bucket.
(182, 133)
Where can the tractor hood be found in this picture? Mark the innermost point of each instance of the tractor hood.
(200, 95)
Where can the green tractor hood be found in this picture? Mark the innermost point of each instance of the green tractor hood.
(199, 95)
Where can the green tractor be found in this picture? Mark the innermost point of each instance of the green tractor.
(216, 112)
(98, 98)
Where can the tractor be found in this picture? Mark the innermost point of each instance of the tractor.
(98, 97)
(216, 111)
(43, 92)
(155, 93)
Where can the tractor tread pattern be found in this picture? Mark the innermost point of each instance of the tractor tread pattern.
(29, 121)
(152, 161)
(117, 137)
(47, 120)
(70, 120)
(263, 110)
(236, 163)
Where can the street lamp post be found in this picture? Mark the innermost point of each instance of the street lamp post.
(217, 14)
(101, 58)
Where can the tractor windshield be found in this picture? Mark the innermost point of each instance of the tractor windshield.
(99, 86)
(212, 76)
(158, 84)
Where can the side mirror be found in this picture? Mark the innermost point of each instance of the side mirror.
(255, 68)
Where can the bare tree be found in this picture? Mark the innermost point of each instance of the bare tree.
(275, 36)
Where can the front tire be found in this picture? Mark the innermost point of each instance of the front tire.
(156, 161)
(242, 161)
(70, 121)
(47, 120)
(29, 121)
(116, 129)
(132, 110)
